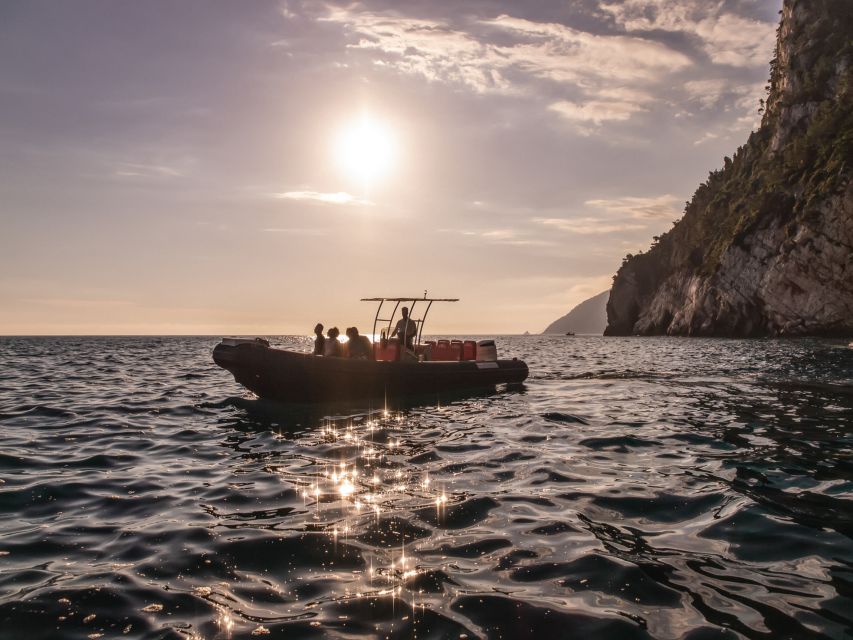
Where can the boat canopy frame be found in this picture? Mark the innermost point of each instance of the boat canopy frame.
(412, 300)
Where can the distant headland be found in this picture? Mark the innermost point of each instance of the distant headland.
(590, 316)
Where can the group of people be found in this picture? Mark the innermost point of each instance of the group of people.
(359, 346)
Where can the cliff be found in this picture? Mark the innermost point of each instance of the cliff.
(590, 316)
(765, 246)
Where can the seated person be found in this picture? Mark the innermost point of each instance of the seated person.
(406, 329)
(319, 340)
(359, 346)
(332, 347)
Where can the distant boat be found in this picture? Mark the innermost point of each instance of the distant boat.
(434, 366)
(570, 333)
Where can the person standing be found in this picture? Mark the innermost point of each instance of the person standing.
(406, 329)
(319, 340)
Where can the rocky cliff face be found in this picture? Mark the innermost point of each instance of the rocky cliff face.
(765, 246)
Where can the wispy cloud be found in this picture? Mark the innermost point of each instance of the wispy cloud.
(595, 112)
(428, 48)
(296, 231)
(138, 170)
(592, 77)
(513, 237)
(663, 207)
(709, 93)
(705, 138)
(727, 38)
(605, 74)
(509, 237)
(588, 226)
(338, 197)
(563, 54)
(616, 215)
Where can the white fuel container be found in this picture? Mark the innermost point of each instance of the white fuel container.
(487, 351)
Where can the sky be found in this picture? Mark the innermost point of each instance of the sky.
(204, 167)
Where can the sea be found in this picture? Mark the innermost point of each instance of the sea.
(667, 488)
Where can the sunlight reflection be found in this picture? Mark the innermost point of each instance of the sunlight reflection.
(362, 493)
(225, 622)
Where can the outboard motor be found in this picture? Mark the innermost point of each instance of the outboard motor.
(487, 351)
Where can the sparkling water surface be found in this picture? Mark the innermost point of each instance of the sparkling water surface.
(632, 488)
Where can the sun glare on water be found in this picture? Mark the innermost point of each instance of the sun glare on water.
(365, 150)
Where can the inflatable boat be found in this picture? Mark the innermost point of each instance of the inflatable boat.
(394, 370)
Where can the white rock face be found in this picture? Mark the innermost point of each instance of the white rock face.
(778, 281)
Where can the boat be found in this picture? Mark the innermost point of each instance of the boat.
(431, 367)
(570, 333)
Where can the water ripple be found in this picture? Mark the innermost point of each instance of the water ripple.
(633, 488)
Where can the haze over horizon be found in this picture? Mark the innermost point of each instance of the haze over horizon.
(221, 168)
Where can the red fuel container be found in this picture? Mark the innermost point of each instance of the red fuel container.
(469, 350)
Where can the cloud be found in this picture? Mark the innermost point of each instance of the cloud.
(137, 170)
(737, 41)
(338, 197)
(707, 92)
(513, 237)
(705, 138)
(617, 215)
(428, 48)
(588, 226)
(510, 237)
(587, 78)
(540, 50)
(737, 47)
(500, 234)
(564, 54)
(613, 104)
(663, 207)
(595, 112)
(727, 38)
(648, 15)
(606, 75)
(295, 231)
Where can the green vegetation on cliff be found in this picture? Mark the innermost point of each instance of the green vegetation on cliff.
(799, 157)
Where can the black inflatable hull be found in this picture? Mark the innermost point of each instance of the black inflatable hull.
(287, 376)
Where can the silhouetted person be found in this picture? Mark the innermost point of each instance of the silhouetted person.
(332, 347)
(359, 346)
(406, 329)
(319, 340)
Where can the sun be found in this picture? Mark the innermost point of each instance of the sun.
(365, 150)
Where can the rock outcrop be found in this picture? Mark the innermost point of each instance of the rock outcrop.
(765, 246)
(590, 316)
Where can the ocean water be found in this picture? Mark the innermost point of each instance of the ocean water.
(633, 488)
